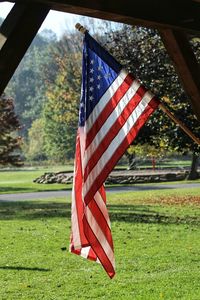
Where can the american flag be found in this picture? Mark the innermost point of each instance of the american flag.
(113, 108)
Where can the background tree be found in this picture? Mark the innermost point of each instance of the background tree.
(35, 147)
(47, 88)
(9, 140)
(61, 107)
(142, 52)
(28, 85)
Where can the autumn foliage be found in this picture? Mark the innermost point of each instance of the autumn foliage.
(9, 140)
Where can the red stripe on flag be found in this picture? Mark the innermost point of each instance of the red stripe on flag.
(102, 193)
(97, 247)
(72, 249)
(153, 104)
(92, 255)
(99, 217)
(78, 181)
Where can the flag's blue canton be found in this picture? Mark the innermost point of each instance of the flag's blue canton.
(97, 76)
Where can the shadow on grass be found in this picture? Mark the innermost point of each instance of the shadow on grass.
(137, 214)
(33, 210)
(36, 188)
(139, 187)
(9, 189)
(19, 268)
(120, 213)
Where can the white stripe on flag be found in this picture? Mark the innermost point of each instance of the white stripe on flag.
(117, 141)
(75, 225)
(102, 206)
(85, 251)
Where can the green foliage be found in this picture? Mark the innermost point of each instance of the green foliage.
(142, 52)
(9, 140)
(36, 144)
(46, 87)
(146, 150)
(61, 107)
(28, 85)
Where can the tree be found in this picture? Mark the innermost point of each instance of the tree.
(28, 85)
(142, 52)
(9, 140)
(61, 107)
(35, 147)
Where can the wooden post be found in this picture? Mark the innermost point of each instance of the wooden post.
(16, 35)
(185, 63)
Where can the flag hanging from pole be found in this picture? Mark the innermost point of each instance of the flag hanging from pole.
(113, 108)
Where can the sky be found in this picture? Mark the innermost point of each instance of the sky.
(56, 21)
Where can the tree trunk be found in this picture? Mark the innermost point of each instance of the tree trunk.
(131, 160)
(193, 171)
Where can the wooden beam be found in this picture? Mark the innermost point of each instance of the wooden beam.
(16, 35)
(185, 63)
(178, 14)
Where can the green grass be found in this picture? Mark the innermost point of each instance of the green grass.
(156, 238)
(21, 181)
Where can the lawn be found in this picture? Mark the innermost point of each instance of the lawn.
(21, 180)
(156, 238)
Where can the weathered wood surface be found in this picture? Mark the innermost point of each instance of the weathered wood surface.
(185, 63)
(182, 14)
(16, 35)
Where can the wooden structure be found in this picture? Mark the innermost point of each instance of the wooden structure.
(175, 19)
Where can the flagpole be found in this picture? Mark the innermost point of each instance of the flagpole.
(179, 123)
(83, 30)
